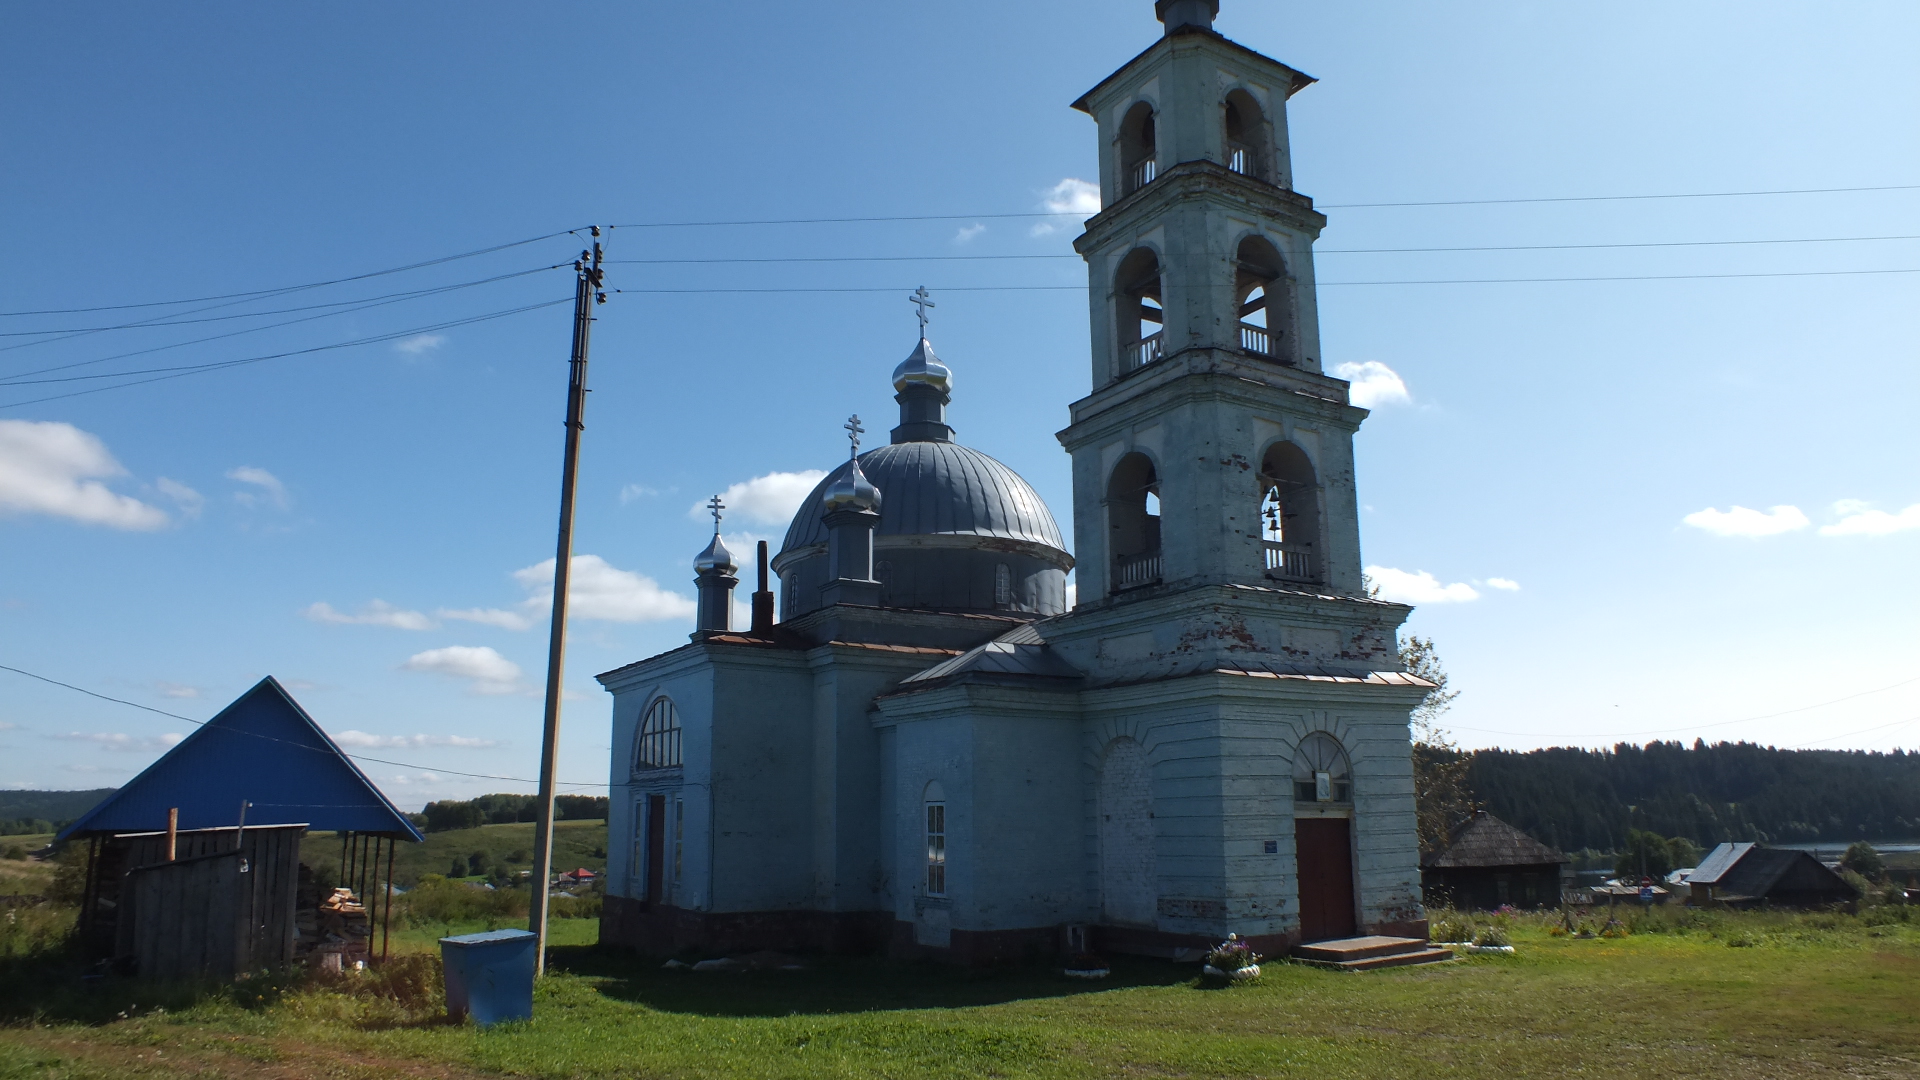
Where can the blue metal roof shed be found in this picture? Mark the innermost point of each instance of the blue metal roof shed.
(265, 750)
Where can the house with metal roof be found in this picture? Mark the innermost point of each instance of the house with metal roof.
(939, 747)
(1487, 863)
(1748, 874)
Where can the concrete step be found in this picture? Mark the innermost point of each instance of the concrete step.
(1369, 953)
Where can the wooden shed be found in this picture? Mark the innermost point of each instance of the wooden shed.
(1487, 863)
(1748, 874)
(232, 895)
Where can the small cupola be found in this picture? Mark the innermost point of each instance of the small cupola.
(923, 386)
(1181, 14)
(713, 579)
(850, 509)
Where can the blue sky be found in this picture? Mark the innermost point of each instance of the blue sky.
(1702, 487)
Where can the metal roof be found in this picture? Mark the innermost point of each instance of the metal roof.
(938, 488)
(1718, 861)
(263, 749)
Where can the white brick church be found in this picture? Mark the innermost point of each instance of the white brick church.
(928, 753)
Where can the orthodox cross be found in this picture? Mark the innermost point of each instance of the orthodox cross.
(854, 431)
(714, 506)
(920, 299)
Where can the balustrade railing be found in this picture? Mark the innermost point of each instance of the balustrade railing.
(1254, 339)
(1238, 159)
(1289, 562)
(1133, 571)
(1141, 175)
(1143, 352)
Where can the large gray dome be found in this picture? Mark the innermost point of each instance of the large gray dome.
(938, 488)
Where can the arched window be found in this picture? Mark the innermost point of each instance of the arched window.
(658, 744)
(1136, 296)
(1290, 514)
(936, 815)
(1002, 584)
(1320, 771)
(1260, 298)
(1137, 157)
(1133, 523)
(1248, 150)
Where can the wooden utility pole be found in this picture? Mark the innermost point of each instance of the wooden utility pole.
(586, 293)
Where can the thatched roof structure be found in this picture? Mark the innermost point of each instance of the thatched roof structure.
(1484, 841)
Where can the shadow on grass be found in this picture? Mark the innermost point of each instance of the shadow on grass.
(841, 984)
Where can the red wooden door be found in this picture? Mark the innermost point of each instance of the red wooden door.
(656, 848)
(1323, 856)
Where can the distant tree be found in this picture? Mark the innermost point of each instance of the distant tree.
(69, 882)
(459, 869)
(449, 814)
(1863, 860)
(477, 863)
(1647, 854)
(1685, 853)
(1443, 796)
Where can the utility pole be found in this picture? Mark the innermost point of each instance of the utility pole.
(586, 293)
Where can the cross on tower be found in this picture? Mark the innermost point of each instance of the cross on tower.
(921, 299)
(714, 506)
(854, 431)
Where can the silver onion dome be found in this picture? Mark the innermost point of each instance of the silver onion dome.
(851, 490)
(715, 559)
(922, 368)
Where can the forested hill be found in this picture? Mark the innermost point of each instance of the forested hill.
(43, 811)
(1575, 799)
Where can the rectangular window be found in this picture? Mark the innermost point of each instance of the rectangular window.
(936, 849)
(1303, 790)
(679, 836)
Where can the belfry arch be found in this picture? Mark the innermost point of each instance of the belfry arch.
(1139, 318)
(1249, 150)
(1138, 154)
(1133, 523)
(1290, 530)
(1262, 301)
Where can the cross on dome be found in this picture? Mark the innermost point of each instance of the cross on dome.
(714, 506)
(922, 299)
(854, 431)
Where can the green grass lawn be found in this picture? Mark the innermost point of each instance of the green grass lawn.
(1731, 996)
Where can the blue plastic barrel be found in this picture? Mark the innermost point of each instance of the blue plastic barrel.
(489, 976)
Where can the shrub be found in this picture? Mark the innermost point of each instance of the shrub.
(17, 852)
(444, 901)
(69, 875)
(1863, 860)
(1492, 934)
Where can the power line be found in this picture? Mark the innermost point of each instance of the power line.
(175, 373)
(293, 288)
(270, 738)
(1317, 251)
(374, 302)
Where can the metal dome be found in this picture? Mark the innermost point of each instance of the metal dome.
(938, 488)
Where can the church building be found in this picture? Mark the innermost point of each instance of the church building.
(926, 751)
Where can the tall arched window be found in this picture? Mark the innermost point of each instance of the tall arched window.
(1248, 150)
(935, 803)
(1138, 163)
(658, 744)
(1260, 298)
(1133, 523)
(1320, 771)
(1290, 514)
(1136, 301)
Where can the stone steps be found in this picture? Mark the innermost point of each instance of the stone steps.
(1370, 953)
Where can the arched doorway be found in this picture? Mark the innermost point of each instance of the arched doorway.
(1323, 838)
(1129, 870)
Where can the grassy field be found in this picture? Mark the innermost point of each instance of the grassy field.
(575, 844)
(1718, 996)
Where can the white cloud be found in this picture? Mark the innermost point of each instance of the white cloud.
(404, 779)
(1374, 384)
(361, 740)
(636, 491)
(176, 690)
(188, 500)
(120, 741)
(373, 613)
(768, 500)
(601, 591)
(1419, 587)
(1856, 519)
(419, 343)
(505, 620)
(271, 489)
(1072, 196)
(1503, 584)
(7, 725)
(51, 468)
(1740, 521)
(488, 671)
(967, 232)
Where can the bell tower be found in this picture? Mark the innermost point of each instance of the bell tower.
(1213, 450)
